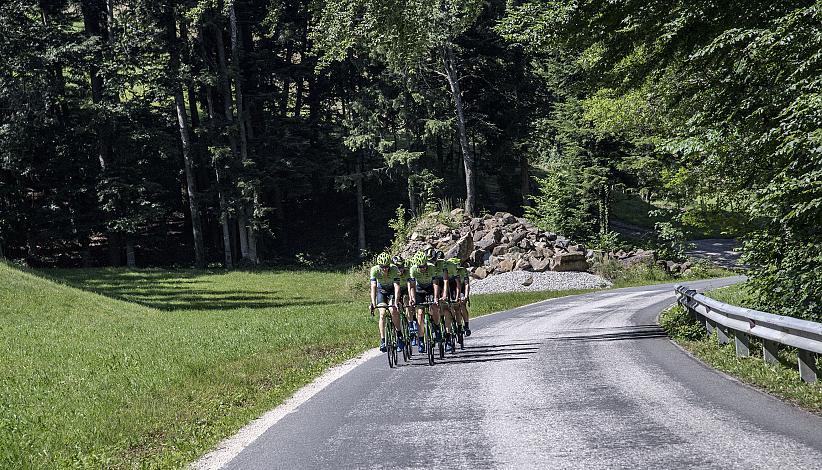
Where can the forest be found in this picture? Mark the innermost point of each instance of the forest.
(231, 134)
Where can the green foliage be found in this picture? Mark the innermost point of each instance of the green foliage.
(681, 326)
(722, 102)
(401, 227)
(561, 205)
(403, 33)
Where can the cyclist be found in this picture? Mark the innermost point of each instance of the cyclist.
(465, 299)
(402, 269)
(437, 259)
(454, 293)
(422, 282)
(385, 289)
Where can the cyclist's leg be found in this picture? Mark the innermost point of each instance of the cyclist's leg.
(465, 317)
(395, 317)
(380, 297)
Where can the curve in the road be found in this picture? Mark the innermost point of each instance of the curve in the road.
(587, 381)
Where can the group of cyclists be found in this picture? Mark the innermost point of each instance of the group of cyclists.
(426, 278)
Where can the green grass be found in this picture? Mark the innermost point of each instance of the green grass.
(109, 368)
(781, 380)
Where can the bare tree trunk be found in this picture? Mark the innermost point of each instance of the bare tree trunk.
(242, 225)
(245, 219)
(360, 210)
(95, 17)
(467, 158)
(185, 139)
(228, 109)
(225, 222)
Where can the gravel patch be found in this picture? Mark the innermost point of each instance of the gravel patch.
(515, 282)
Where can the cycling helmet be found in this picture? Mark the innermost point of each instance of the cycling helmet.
(399, 262)
(420, 259)
(384, 259)
(440, 254)
(431, 254)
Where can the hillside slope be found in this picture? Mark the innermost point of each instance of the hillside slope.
(87, 380)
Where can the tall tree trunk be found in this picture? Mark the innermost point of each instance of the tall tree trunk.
(185, 137)
(225, 221)
(228, 109)
(467, 157)
(248, 233)
(360, 209)
(95, 19)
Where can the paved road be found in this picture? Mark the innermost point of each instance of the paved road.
(719, 251)
(579, 382)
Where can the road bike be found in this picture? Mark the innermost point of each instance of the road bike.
(428, 328)
(390, 334)
(405, 328)
(456, 325)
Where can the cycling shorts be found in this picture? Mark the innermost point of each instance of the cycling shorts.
(452, 290)
(385, 294)
(423, 292)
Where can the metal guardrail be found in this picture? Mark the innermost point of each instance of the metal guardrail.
(743, 323)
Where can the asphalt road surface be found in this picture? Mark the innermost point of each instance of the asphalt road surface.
(579, 382)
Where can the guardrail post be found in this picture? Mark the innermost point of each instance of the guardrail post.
(770, 351)
(807, 365)
(743, 344)
(710, 326)
(722, 335)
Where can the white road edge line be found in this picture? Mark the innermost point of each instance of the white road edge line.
(229, 448)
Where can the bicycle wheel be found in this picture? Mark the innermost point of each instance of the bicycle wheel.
(390, 342)
(405, 337)
(429, 339)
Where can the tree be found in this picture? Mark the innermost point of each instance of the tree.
(407, 36)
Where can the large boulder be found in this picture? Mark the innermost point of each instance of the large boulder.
(517, 236)
(540, 264)
(462, 249)
(500, 250)
(640, 257)
(505, 217)
(569, 262)
(476, 258)
(490, 240)
(523, 264)
(480, 273)
(506, 265)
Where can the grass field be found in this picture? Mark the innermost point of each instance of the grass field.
(781, 380)
(110, 368)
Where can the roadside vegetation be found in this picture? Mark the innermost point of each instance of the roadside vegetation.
(781, 380)
(109, 368)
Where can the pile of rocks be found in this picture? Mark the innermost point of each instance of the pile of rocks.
(497, 243)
